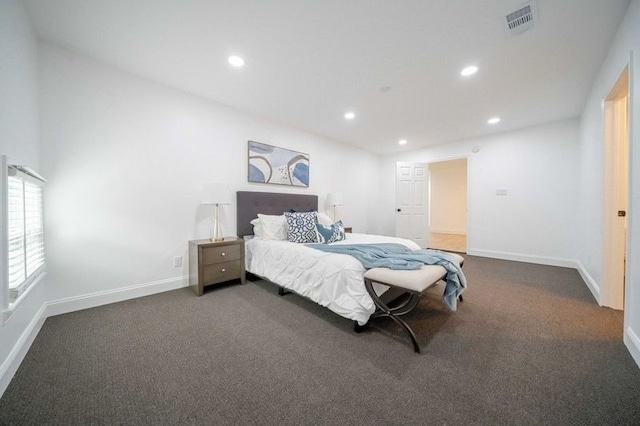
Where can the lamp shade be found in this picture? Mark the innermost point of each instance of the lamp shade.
(215, 193)
(335, 199)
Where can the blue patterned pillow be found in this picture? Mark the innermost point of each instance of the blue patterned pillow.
(330, 234)
(301, 227)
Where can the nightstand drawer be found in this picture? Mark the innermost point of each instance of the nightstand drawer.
(221, 272)
(211, 255)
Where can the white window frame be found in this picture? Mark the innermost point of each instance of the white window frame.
(8, 303)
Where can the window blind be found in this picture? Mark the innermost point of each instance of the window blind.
(25, 230)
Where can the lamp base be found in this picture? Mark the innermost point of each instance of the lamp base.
(217, 228)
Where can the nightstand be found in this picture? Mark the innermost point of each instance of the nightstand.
(348, 229)
(215, 262)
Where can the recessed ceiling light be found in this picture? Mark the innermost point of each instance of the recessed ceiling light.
(470, 70)
(402, 142)
(236, 61)
(350, 115)
(493, 120)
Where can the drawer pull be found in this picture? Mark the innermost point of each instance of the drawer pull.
(223, 270)
(223, 254)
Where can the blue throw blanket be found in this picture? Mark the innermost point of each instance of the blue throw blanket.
(397, 256)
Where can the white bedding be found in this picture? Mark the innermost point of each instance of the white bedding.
(332, 280)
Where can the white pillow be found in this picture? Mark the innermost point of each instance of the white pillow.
(257, 228)
(324, 219)
(273, 227)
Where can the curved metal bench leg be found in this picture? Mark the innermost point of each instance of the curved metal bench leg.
(401, 310)
(407, 307)
(416, 346)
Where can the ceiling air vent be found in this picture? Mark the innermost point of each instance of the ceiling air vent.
(521, 19)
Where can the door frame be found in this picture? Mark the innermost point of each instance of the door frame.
(613, 275)
(469, 159)
(466, 213)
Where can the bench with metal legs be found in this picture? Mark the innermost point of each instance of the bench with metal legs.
(413, 282)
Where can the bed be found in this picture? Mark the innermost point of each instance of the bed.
(335, 281)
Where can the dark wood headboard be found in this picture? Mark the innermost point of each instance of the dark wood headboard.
(249, 204)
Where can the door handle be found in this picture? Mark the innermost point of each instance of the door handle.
(398, 210)
(622, 213)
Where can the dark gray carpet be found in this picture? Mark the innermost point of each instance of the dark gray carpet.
(528, 346)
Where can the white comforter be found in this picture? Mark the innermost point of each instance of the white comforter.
(331, 280)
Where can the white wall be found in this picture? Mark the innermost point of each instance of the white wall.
(127, 158)
(448, 200)
(625, 45)
(19, 141)
(18, 86)
(538, 166)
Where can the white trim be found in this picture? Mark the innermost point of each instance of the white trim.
(591, 283)
(550, 261)
(629, 310)
(14, 359)
(540, 260)
(77, 303)
(448, 231)
(10, 365)
(4, 231)
(8, 313)
(632, 342)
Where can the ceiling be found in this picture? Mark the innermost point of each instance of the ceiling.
(308, 62)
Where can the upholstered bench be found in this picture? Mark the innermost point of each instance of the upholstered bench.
(414, 282)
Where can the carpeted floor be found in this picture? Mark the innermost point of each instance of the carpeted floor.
(528, 346)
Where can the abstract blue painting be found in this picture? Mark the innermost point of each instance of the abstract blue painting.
(280, 166)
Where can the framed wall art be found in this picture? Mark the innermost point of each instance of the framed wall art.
(279, 166)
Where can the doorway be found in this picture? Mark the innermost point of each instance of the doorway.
(616, 192)
(447, 201)
(411, 202)
(431, 204)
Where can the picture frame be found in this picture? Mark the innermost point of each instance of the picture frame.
(278, 166)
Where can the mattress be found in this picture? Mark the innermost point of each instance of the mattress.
(334, 281)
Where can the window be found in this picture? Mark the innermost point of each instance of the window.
(25, 253)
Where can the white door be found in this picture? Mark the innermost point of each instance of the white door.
(411, 202)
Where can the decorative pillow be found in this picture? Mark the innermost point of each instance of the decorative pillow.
(324, 219)
(257, 228)
(273, 227)
(330, 234)
(301, 227)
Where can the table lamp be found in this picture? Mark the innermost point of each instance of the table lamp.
(334, 199)
(216, 194)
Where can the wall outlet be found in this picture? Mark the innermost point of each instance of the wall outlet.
(177, 261)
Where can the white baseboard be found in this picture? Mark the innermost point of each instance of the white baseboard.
(448, 231)
(632, 342)
(10, 365)
(540, 260)
(12, 362)
(77, 303)
(591, 283)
